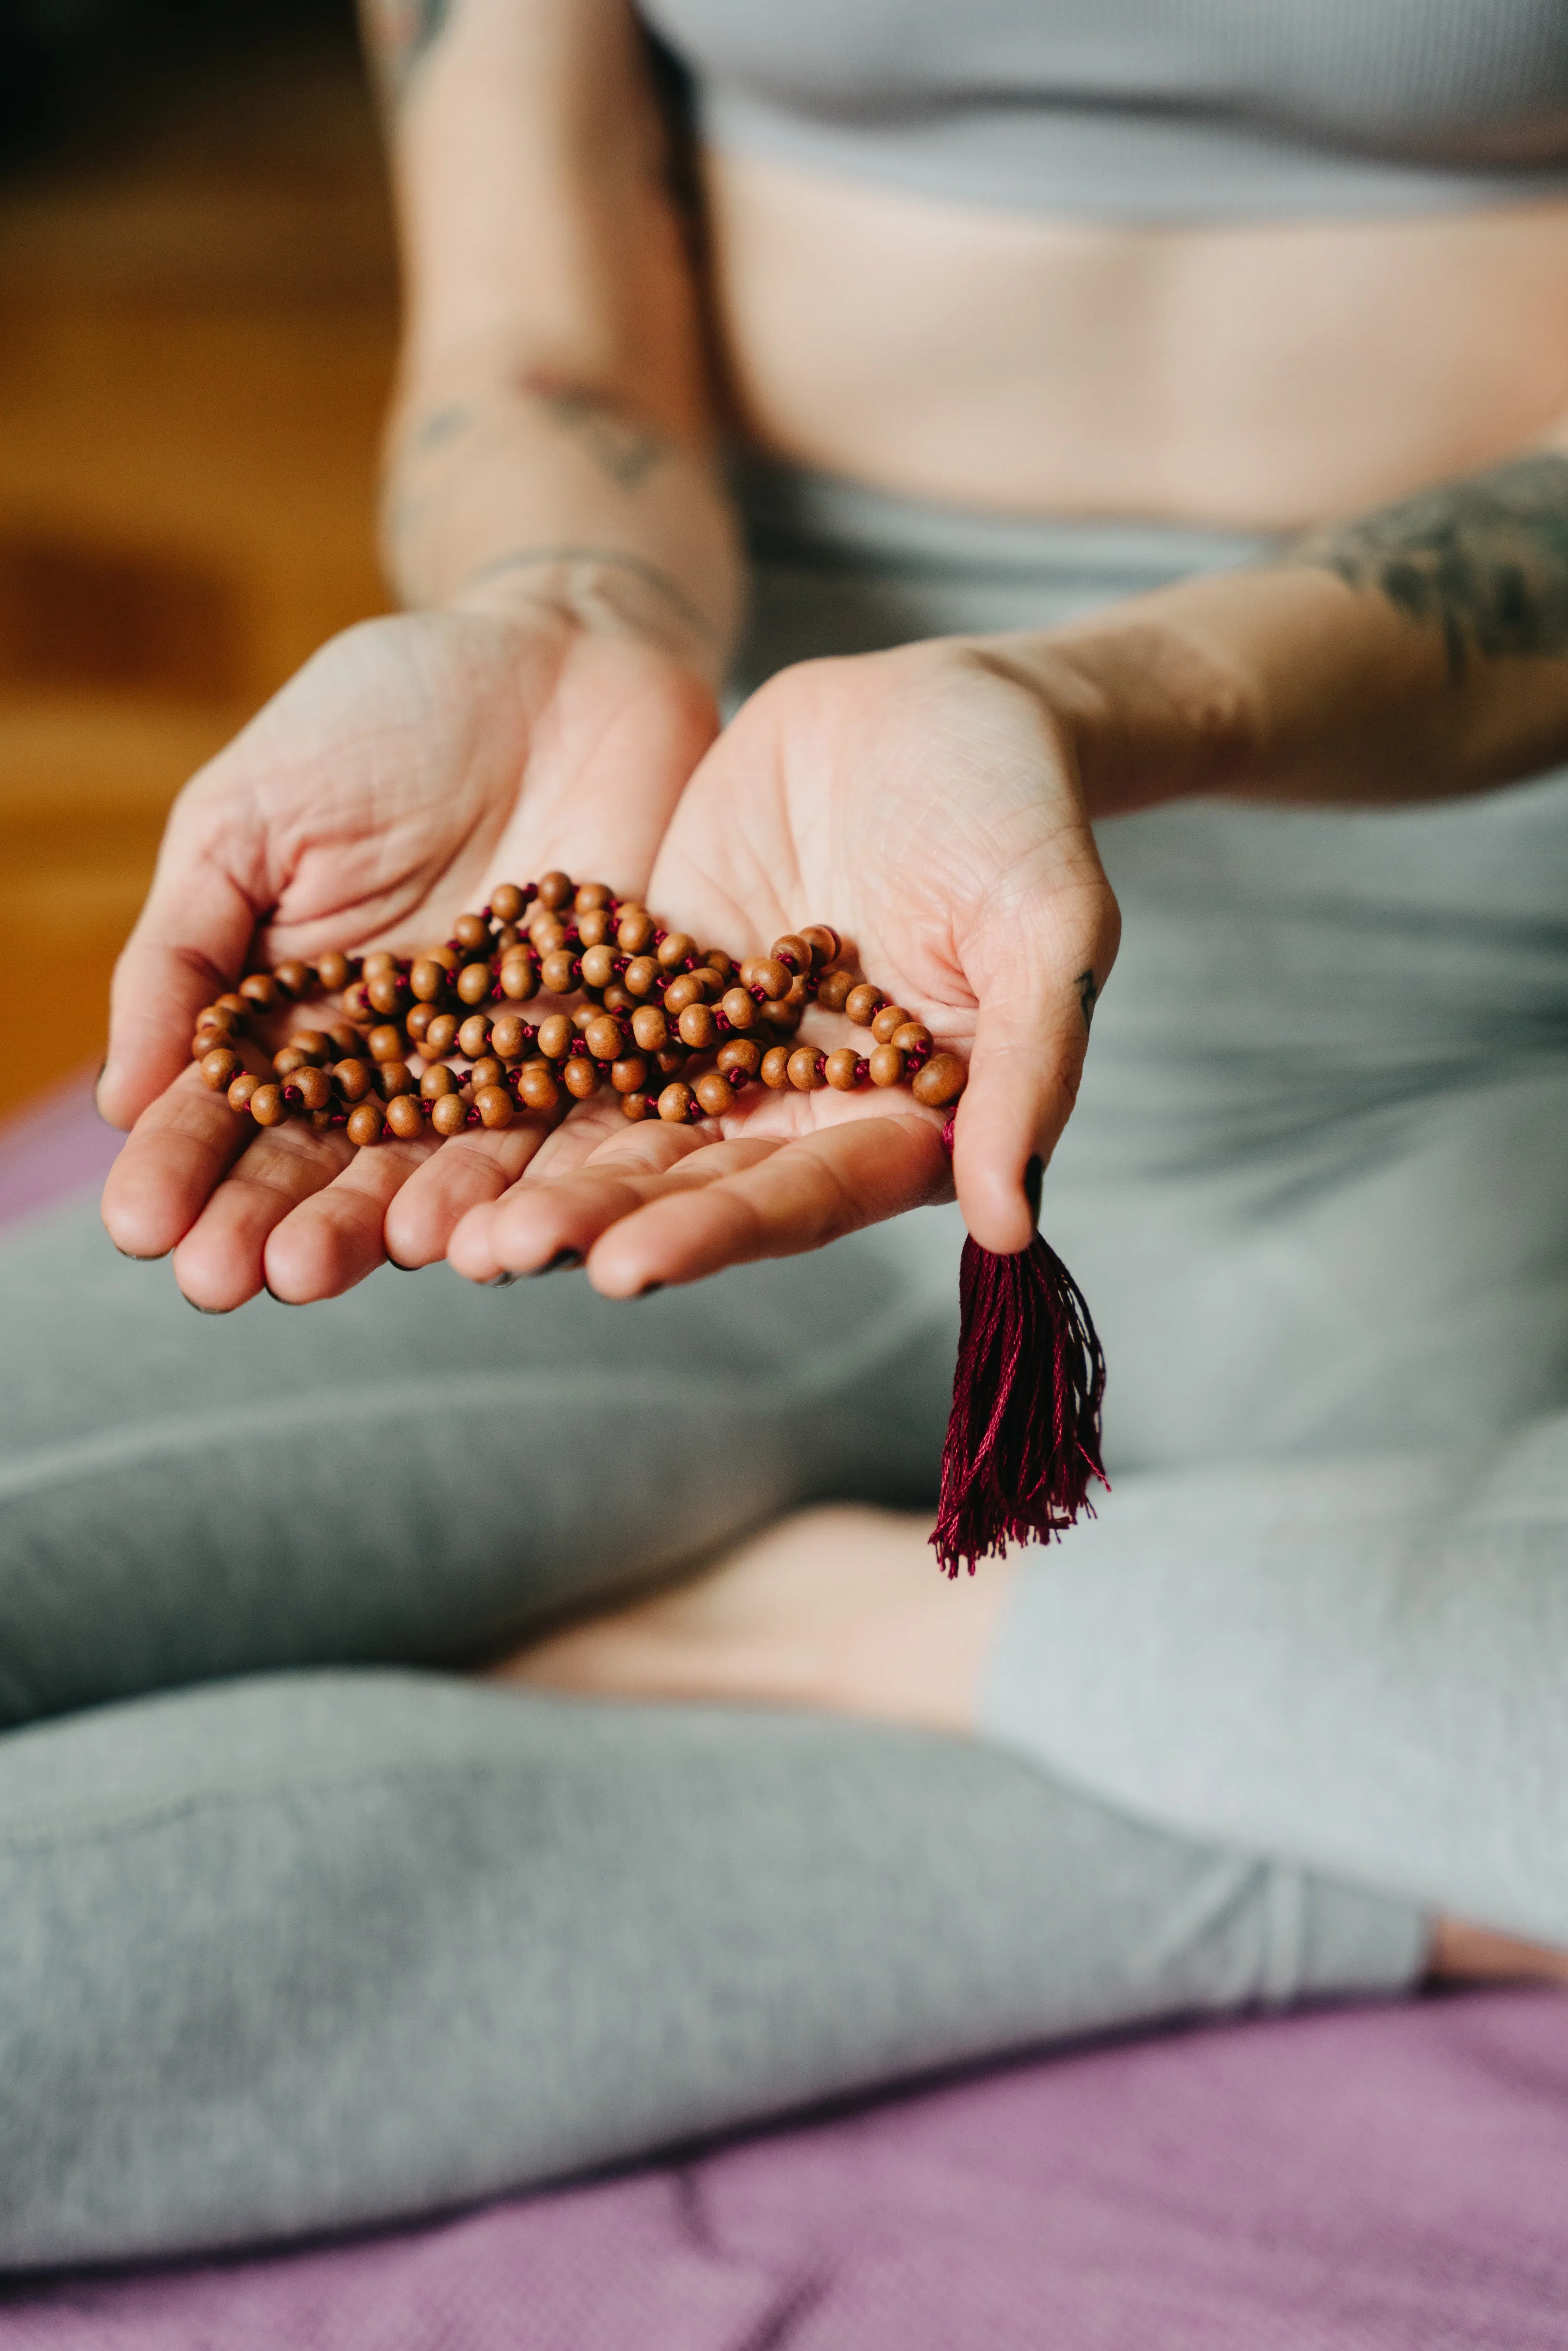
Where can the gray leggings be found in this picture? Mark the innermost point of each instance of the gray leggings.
(298, 1928)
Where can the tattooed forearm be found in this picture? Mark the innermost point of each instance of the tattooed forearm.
(1485, 561)
(399, 35)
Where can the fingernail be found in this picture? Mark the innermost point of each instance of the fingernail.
(561, 1260)
(204, 1310)
(1033, 1177)
(398, 1266)
(275, 1297)
(500, 1281)
(648, 1289)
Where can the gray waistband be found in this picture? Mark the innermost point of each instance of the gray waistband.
(796, 516)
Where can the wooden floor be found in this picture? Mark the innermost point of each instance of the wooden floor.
(196, 328)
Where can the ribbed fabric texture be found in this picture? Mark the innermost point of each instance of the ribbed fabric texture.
(1148, 109)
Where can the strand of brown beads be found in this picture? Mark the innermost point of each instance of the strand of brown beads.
(650, 1006)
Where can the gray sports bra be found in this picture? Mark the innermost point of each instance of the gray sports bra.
(1144, 109)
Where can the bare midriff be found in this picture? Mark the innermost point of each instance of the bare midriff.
(1254, 377)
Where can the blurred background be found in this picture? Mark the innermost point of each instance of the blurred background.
(197, 313)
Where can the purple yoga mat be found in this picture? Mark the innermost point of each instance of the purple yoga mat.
(1374, 2180)
(1385, 2179)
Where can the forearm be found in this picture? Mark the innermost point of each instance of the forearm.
(551, 441)
(1410, 654)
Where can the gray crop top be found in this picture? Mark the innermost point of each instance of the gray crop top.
(1143, 109)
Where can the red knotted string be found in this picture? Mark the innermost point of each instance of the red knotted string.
(1023, 1442)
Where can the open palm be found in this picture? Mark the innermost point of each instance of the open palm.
(413, 764)
(922, 801)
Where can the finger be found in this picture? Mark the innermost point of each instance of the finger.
(189, 945)
(466, 1172)
(180, 1150)
(221, 1262)
(1023, 1081)
(547, 1220)
(337, 1236)
(793, 1197)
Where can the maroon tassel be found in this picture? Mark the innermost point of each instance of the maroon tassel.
(1023, 1442)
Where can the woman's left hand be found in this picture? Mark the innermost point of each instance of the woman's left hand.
(925, 803)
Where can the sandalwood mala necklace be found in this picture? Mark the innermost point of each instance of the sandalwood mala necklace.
(677, 1033)
(650, 1006)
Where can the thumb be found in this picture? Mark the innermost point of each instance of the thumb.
(190, 942)
(1024, 1074)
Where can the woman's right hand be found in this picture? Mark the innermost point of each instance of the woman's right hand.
(411, 765)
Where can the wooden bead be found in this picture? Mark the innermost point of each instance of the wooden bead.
(634, 931)
(555, 1035)
(887, 1066)
(723, 965)
(449, 1115)
(628, 1076)
(393, 1078)
(912, 1034)
(891, 1017)
(842, 1069)
(538, 1087)
(641, 976)
(941, 1082)
(311, 1044)
(428, 979)
(673, 950)
(495, 1106)
(405, 1118)
(472, 933)
(506, 938)
(824, 942)
(385, 1043)
(738, 1008)
(605, 1038)
(474, 1035)
(637, 1107)
(236, 1005)
(672, 1061)
(219, 1018)
(806, 1069)
(242, 1089)
(267, 1106)
(343, 1043)
(353, 1079)
(561, 974)
(596, 928)
(332, 970)
(548, 934)
(771, 976)
(675, 1103)
(782, 1013)
(418, 1021)
(356, 1003)
(740, 1053)
(219, 1069)
(834, 991)
(589, 897)
(599, 967)
(442, 1034)
(696, 1029)
(510, 1037)
(367, 1123)
(680, 993)
(617, 1000)
(314, 1087)
(792, 951)
(555, 890)
(474, 983)
(863, 1003)
(716, 1095)
(437, 1081)
(581, 1077)
(519, 979)
(386, 994)
(293, 976)
(379, 963)
(775, 1070)
(651, 1028)
(261, 991)
(286, 1061)
(507, 902)
(487, 1070)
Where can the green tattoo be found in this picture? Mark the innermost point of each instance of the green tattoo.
(626, 450)
(1484, 560)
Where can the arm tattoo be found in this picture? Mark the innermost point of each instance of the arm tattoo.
(399, 34)
(626, 450)
(1484, 560)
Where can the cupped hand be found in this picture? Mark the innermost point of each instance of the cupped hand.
(415, 763)
(925, 803)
